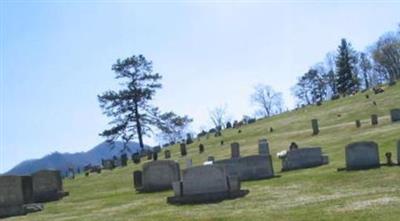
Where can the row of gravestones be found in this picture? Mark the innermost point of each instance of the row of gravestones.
(221, 179)
(20, 195)
(110, 164)
(394, 117)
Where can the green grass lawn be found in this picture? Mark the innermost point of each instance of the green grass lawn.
(319, 193)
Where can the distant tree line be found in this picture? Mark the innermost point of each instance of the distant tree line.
(347, 71)
(342, 73)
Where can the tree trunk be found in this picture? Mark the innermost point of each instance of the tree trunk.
(138, 126)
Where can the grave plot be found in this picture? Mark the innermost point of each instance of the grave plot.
(205, 184)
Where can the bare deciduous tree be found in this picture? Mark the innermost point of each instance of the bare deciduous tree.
(218, 116)
(268, 101)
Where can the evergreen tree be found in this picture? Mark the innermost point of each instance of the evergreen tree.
(129, 107)
(346, 60)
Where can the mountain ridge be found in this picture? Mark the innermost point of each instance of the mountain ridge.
(63, 161)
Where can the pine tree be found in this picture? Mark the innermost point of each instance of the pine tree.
(347, 81)
(129, 107)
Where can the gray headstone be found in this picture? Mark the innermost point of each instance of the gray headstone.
(183, 149)
(47, 185)
(159, 175)
(136, 158)
(177, 188)
(204, 179)
(117, 162)
(108, 164)
(156, 149)
(15, 191)
(203, 184)
(358, 123)
(167, 154)
(124, 160)
(374, 119)
(235, 150)
(398, 152)
(362, 155)
(137, 179)
(149, 155)
(201, 148)
(249, 167)
(189, 163)
(395, 115)
(263, 147)
(315, 128)
(303, 158)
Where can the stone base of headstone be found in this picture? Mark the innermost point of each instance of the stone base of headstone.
(33, 207)
(207, 197)
(7, 211)
(49, 196)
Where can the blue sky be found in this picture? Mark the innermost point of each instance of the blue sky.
(57, 56)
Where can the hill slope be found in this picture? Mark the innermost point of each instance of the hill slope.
(319, 193)
(62, 161)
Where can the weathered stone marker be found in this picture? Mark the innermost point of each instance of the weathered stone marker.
(47, 186)
(358, 123)
(149, 155)
(398, 152)
(395, 115)
(304, 158)
(315, 127)
(155, 156)
(117, 161)
(124, 160)
(136, 158)
(137, 179)
(362, 155)
(156, 176)
(201, 148)
(167, 154)
(203, 184)
(235, 150)
(263, 147)
(183, 149)
(374, 119)
(389, 161)
(108, 164)
(15, 191)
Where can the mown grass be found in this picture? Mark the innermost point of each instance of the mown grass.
(319, 193)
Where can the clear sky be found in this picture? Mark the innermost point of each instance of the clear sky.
(57, 56)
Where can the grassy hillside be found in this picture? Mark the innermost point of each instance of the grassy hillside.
(311, 194)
